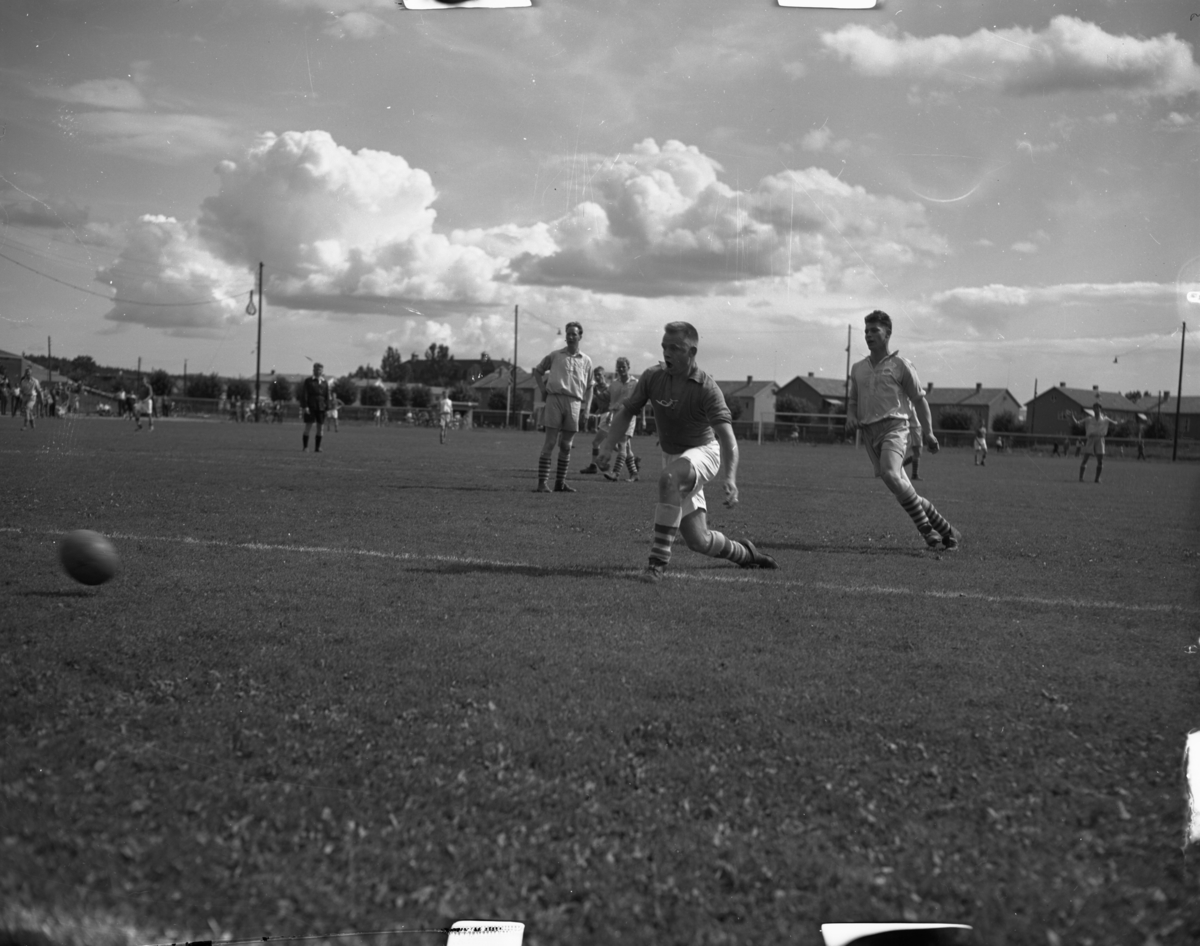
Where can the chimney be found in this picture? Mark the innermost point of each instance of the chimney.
(978, 386)
(1096, 390)
(749, 378)
(929, 388)
(810, 374)
(1166, 395)
(1062, 384)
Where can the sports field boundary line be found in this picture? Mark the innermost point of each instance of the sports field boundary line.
(600, 571)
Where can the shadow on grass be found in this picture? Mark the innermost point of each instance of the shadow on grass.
(847, 549)
(533, 571)
(72, 593)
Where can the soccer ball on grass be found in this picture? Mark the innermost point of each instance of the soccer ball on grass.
(88, 557)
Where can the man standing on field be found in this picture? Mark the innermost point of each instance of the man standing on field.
(31, 393)
(695, 431)
(1095, 429)
(565, 379)
(315, 399)
(883, 388)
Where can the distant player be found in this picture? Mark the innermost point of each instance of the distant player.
(618, 390)
(143, 406)
(316, 396)
(599, 409)
(981, 447)
(883, 388)
(695, 431)
(1095, 429)
(31, 392)
(565, 379)
(332, 414)
(445, 416)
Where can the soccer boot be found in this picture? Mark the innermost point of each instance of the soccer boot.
(591, 468)
(542, 488)
(757, 559)
(932, 539)
(654, 573)
(564, 488)
(950, 543)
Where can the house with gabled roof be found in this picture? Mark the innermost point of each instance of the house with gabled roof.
(750, 400)
(1189, 415)
(983, 404)
(1050, 412)
(817, 395)
(528, 395)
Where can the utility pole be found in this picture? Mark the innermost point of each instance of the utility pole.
(1032, 411)
(512, 391)
(1179, 394)
(49, 356)
(258, 347)
(846, 392)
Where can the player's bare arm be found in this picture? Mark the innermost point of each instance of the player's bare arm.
(925, 415)
(729, 461)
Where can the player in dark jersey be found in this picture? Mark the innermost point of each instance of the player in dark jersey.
(695, 431)
(315, 398)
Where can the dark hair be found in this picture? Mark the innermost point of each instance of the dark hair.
(623, 360)
(576, 324)
(879, 317)
(686, 329)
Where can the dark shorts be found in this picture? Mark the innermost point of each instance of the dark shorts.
(314, 417)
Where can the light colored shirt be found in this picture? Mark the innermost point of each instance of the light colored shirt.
(566, 373)
(884, 390)
(1096, 428)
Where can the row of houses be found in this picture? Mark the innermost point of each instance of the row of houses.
(1047, 414)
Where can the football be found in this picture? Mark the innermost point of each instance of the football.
(88, 557)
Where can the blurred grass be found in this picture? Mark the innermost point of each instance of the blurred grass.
(389, 686)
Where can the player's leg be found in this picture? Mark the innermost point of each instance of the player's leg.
(597, 443)
(915, 455)
(1099, 459)
(308, 425)
(675, 481)
(565, 439)
(545, 457)
(888, 452)
(1083, 465)
(320, 425)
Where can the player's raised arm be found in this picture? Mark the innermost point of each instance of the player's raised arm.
(852, 406)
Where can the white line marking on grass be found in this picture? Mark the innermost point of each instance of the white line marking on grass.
(600, 571)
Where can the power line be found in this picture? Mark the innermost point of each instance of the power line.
(100, 295)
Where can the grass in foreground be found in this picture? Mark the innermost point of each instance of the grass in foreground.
(389, 686)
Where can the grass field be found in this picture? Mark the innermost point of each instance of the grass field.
(388, 686)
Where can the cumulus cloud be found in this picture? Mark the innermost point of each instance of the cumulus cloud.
(170, 280)
(997, 294)
(1070, 54)
(340, 225)
(660, 221)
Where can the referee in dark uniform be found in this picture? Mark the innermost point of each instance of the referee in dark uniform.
(315, 398)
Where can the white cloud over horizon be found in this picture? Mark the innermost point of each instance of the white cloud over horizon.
(1069, 55)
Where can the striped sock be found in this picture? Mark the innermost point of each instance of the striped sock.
(720, 546)
(618, 465)
(634, 463)
(543, 470)
(935, 518)
(564, 457)
(666, 527)
(912, 504)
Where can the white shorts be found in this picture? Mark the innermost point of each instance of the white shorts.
(889, 435)
(706, 464)
(146, 406)
(1094, 447)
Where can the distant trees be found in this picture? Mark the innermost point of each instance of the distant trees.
(204, 386)
(345, 390)
(366, 373)
(786, 404)
(281, 389)
(1006, 423)
(419, 395)
(373, 395)
(161, 383)
(394, 367)
(239, 388)
(956, 420)
(399, 396)
(463, 392)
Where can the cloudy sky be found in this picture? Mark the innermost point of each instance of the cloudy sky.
(1014, 181)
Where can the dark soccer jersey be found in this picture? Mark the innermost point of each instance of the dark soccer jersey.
(315, 394)
(685, 409)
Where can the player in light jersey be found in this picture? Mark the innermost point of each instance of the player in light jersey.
(565, 379)
(446, 417)
(1095, 429)
(695, 431)
(883, 388)
(618, 390)
(31, 392)
(600, 410)
(144, 405)
(980, 446)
